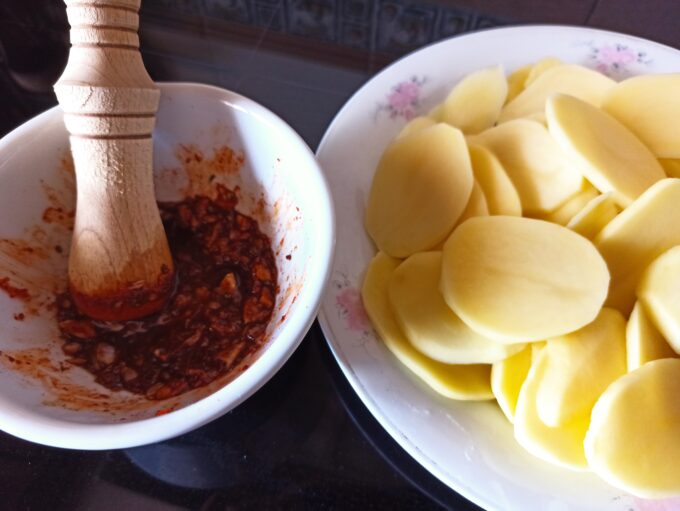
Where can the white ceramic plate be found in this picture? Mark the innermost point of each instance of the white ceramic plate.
(468, 446)
(46, 400)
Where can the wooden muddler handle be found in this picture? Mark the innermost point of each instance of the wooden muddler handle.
(120, 266)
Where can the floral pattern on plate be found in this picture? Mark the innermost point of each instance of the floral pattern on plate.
(617, 60)
(404, 99)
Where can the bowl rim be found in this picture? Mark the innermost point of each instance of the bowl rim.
(30, 425)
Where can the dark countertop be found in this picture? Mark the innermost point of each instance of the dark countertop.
(304, 440)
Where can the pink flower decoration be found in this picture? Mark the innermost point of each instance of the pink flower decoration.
(657, 505)
(349, 300)
(602, 68)
(616, 55)
(404, 95)
(403, 99)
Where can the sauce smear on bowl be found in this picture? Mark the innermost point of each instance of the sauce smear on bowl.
(218, 315)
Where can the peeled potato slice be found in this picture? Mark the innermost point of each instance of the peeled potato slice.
(659, 292)
(534, 162)
(597, 213)
(464, 382)
(429, 324)
(516, 279)
(516, 81)
(633, 440)
(580, 366)
(420, 189)
(436, 113)
(507, 377)
(644, 343)
(539, 68)
(649, 106)
(476, 205)
(578, 81)
(607, 153)
(416, 124)
(501, 195)
(640, 233)
(475, 102)
(561, 446)
(671, 166)
(563, 214)
(536, 348)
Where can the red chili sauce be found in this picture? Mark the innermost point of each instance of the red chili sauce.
(217, 316)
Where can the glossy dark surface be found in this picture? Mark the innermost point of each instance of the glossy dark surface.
(304, 441)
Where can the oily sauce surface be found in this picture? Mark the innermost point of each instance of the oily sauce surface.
(217, 316)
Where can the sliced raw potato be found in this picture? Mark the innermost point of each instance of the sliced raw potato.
(637, 236)
(501, 195)
(561, 446)
(597, 213)
(465, 382)
(516, 81)
(605, 151)
(644, 343)
(429, 324)
(633, 441)
(517, 279)
(649, 106)
(476, 101)
(476, 206)
(659, 293)
(541, 67)
(536, 165)
(420, 189)
(580, 366)
(538, 117)
(436, 113)
(671, 166)
(507, 377)
(564, 213)
(416, 124)
(536, 348)
(578, 81)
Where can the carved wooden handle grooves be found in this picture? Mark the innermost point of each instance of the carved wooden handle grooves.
(110, 103)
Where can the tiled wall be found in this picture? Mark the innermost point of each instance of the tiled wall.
(382, 26)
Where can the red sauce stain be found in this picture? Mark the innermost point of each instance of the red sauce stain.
(260, 210)
(28, 252)
(164, 411)
(53, 215)
(39, 365)
(14, 292)
(201, 171)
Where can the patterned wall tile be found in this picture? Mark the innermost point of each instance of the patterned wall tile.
(355, 35)
(357, 10)
(238, 11)
(482, 22)
(192, 7)
(270, 16)
(402, 27)
(389, 27)
(312, 18)
(453, 22)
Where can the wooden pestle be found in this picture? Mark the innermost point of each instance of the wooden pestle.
(120, 266)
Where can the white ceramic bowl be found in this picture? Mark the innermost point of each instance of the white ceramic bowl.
(44, 399)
